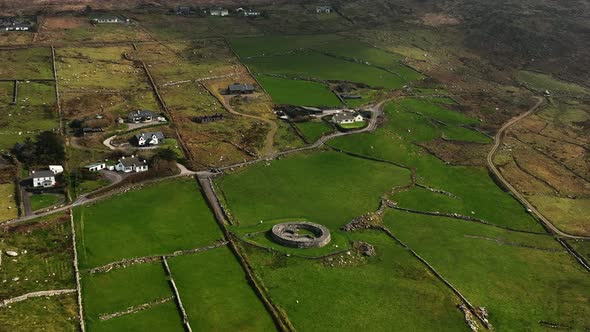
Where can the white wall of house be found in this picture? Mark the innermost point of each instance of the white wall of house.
(44, 182)
(97, 167)
(56, 169)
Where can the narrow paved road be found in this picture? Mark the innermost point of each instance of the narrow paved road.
(377, 110)
(490, 161)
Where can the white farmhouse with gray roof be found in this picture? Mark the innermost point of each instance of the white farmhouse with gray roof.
(218, 11)
(141, 116)
(347, 117)
(44, 178)
(324, 9)
(131, 164)
(147, 139)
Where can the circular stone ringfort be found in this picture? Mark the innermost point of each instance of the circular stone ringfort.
(300, 234)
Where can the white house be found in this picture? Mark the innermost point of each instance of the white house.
(347, 117)
(146, 139)
(56, 169)
(96, 167)
(109, 19)
(218, 12)
(131, 164)
(141, 116)
(324, 9)
(247, 12)
(45, 179)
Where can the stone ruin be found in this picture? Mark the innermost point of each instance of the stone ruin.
(300, 234)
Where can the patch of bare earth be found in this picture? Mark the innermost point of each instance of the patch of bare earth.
(438, 19)
(458, 153)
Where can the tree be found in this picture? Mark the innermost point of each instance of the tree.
(46, 149)
(166, 154)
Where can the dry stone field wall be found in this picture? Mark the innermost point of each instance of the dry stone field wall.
(301, 234)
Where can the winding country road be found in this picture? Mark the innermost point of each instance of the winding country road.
(490, 162)
(83, 199)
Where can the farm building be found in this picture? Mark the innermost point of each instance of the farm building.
(44, 178)
(56, 169)
(208, 118)
(324, 9)
(347, 117)
(131, 164)
(96, 167)
(88, 130)
(247, 12)
(141, 116)
(147, 139)
(183, 10)
(109, 19)
(15, 24)
(218, 12)
(240, 89)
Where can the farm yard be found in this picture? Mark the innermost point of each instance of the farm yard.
(422, 234)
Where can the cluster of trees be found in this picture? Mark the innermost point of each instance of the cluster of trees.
(46, 148)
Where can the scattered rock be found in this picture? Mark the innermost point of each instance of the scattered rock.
(11, 253)
(366, 249)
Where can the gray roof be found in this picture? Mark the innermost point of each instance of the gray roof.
(14, 22)
(344, 116)
(130, 161)
(240, 87)
(142, 113)
(158, 134)
(43, 174)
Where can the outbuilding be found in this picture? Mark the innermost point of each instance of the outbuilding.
(95, 167)
(218, 11)
(240, 89)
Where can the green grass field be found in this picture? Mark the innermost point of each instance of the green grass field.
(164, 317)
(297, 92)
(44, 258)
(154, 220)
(259, 235)
(370, 55)
(519, 286)
(475, 189)
(541, 82)
(315, 65)
(216, 295)
(34, 112)
(41, 201)
(329, 188)
(314, 130)
(51, 314)
(387, 292)
(29, 63)
(269, 45)
(119, 289)
(98, 68)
